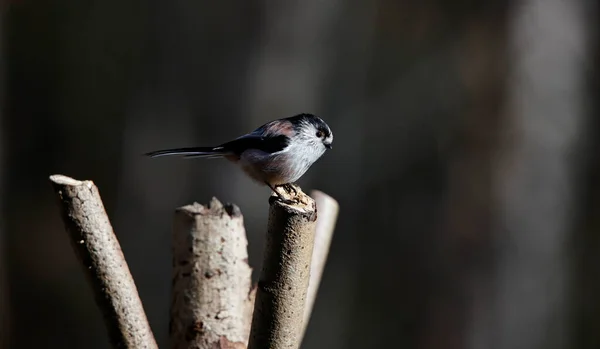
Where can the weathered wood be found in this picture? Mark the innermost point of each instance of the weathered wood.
(99, 252)
(212, 299)
(280, 300)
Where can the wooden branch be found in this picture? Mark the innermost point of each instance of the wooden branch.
(212, 300)
(98, 250)
(280, 299)
(327, 209)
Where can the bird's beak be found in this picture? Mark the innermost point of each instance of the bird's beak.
(328, 145)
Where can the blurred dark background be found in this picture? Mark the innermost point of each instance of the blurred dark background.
(466, 158)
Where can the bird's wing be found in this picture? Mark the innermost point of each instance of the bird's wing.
(255, 140)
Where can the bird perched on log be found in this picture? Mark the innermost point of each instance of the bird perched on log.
(276, 154)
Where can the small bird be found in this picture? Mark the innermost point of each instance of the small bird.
(276, 154)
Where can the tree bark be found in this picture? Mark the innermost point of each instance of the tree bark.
(279, 308)
(212, 297)
(97, 248)
(327, 212)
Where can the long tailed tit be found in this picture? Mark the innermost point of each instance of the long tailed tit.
(277, 153)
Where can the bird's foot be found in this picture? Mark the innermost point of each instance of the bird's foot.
(283, 200)
(290, 188)
(281, 197)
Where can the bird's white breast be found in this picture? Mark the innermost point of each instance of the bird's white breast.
(286, 166)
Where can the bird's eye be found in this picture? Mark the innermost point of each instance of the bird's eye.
(319, 134)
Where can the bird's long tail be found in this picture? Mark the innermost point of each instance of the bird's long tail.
(195, 152)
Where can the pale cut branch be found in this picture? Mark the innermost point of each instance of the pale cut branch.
(327, 213)
(99, 252)
(278, 317)
(212, 299)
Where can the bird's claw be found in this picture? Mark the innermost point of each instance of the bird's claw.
(290, 188)
(272, 199)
